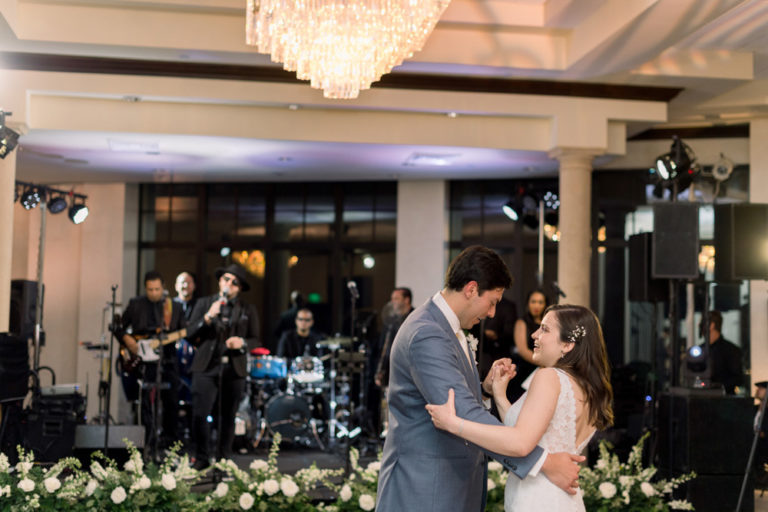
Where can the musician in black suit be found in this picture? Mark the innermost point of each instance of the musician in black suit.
(223, 328)
(150, 316)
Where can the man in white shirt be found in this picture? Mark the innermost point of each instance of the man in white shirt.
(426, 469)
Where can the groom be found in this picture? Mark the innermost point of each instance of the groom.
(425, 469)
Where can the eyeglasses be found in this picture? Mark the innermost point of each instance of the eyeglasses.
(303, 319)
(230, 279)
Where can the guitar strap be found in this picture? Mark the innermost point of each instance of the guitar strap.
(167, 313)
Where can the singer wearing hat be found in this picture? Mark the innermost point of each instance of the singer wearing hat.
(224, 328)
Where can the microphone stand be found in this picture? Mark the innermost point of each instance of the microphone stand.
(109, 378)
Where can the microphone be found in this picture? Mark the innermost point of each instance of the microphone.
(353, 289)
(226, 309)
(223, 296)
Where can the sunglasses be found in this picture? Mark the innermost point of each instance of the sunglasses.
(303, 319)
(230, 279)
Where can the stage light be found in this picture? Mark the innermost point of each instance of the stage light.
(78, 213)
(676, 163)
(8, 138)
(30, 198)
(509, 211)
(368, 261)
(58, 204)
(722, 169)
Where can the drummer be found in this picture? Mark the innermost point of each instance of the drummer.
(301, 341)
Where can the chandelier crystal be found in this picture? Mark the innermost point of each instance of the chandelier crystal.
(341, 46)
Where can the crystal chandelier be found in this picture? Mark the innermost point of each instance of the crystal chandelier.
(341, 46)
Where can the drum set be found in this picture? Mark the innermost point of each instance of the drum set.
(305, 399)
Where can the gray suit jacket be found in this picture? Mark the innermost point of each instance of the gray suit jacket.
(423, 468)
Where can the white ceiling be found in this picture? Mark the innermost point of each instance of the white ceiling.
(715, 50)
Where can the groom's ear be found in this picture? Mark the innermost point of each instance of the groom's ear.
(470, 289)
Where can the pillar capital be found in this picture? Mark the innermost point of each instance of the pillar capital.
(568, 156)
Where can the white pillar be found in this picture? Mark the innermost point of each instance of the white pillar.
(574, 248)
(758, 290)
(7, 185)
(422, 232)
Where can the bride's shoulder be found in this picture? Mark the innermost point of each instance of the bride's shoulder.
(546, 377)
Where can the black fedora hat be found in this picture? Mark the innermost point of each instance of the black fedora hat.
(237, 271)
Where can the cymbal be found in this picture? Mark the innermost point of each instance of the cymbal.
(334, 342)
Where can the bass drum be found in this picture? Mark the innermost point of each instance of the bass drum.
(289, 416)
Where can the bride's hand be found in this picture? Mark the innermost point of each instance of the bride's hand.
(444, 416)
(501, 378)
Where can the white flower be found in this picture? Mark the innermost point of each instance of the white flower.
(680, 505)
(607, 489)
(221, 490)
(23, 467)
(494, 466)
(90, 488)
(374, 466)
(130, 466)
(26, 485)
(346, 493)
(52, 484)
(118, 495)
(491, 484)
(258, 465)
(289, 487)
(271, 486)
(246, 500)
(625, 481)
(472, 342)
(144, 482)
(601, 464)
(366, 502)
(5, 491)
(625, 493)
(647, 489)
(5, 465)
(98, 471)
(168, 481)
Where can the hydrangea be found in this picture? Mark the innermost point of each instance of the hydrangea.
(91, 486)
(289, 487)
(491, 484)
(366, 502)
(24, 467)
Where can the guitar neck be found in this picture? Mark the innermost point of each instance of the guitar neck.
(171, 337)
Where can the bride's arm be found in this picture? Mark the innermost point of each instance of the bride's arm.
(514, 441)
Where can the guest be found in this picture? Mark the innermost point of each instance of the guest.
(726, 360)
(535, 304)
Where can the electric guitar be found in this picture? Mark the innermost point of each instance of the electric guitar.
(148, 346)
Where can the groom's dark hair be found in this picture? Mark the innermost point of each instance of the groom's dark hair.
(481, 264)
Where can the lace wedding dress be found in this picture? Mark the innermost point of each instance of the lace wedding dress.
(537, 492)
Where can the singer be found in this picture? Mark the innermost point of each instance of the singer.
(224, 328)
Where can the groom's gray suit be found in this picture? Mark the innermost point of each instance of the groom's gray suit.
(423, 468)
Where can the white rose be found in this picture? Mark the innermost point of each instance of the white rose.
(258, 465)
(221, 490)
(246, 501)
(144, 482)
(5, 491)
(491, 484)
(625, 481)
(289, 487)
(366, 502)
(346, 493)
(495, 466)
(23, 467)
(118, 495)
(271, 486)
(647, 489)
(168, 481)
(130, 466)
(90, 488)
(26, 485)
(601, 464)
(607, 489)
(52, 484)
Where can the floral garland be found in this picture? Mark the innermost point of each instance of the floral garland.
(610, 485)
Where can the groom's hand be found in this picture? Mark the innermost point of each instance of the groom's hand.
(506, 365)
(562, 469)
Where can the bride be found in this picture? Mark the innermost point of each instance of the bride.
(568, 399)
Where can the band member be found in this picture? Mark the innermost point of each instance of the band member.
(150, 315)
(223, 327)
(185, 293)
(300, 341)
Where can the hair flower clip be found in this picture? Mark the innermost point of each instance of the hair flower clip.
(577, 333)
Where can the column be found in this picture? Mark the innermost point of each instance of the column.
(422, 232)
(574, 248)
(7, 184)
(758, 290)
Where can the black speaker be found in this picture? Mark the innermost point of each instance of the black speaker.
(23, 302)
(675, 241)
(642, 287)
(51, 423)
(711, 435)
(741, 241)
(14, 367)
(715, 493)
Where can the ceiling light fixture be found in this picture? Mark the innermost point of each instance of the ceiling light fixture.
(54, 200)
(58, 204)
(30, 198)
(340, 46)
(723, 168)
(78, 212)
(9, 139)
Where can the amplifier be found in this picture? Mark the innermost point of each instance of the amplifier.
(60, 405)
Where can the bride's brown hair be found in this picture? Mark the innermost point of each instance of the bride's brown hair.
(587, 362)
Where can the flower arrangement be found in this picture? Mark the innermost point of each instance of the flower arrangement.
(612, 485)
(497, 481)
(263, 487)
(35, 488)
(358, 492)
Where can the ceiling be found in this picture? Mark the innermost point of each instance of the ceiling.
(714, 51)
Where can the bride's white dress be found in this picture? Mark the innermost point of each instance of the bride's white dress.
(537, 493)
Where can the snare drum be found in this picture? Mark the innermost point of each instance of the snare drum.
(307, 370)
(268, 367)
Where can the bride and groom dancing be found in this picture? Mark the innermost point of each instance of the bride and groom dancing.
(439, 431)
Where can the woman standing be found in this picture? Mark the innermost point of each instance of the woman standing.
(535, 304)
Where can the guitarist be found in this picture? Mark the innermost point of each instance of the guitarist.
(151, 315)
(223, 327)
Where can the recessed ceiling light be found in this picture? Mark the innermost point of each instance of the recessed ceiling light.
(127, 146)
(430, 159)
(452, 115)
